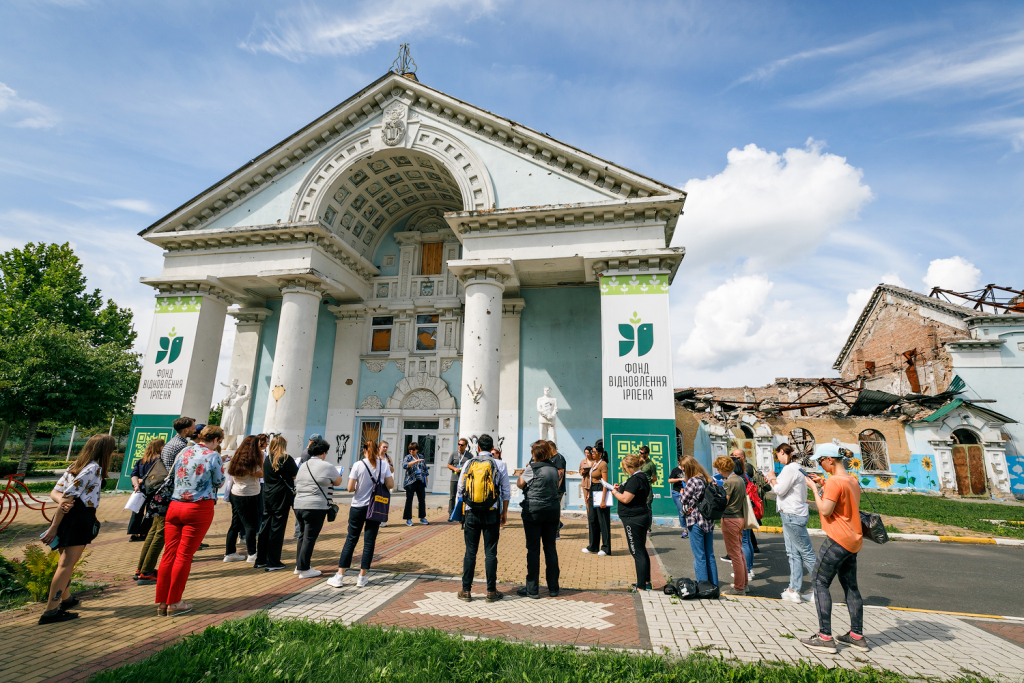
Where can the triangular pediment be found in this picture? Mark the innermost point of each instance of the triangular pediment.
(523, 167)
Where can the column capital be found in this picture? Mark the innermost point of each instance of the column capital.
(191, 287)
(499, 271)
(348, 313)
(299, 286)
(512, 308)
(250, 315)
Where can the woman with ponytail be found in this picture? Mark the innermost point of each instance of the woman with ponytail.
(363, 479)
(279, 472)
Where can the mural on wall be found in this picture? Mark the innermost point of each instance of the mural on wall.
(342, 450)
(917, 475)
(1015, 466)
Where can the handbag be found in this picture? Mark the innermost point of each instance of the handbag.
(750, 522)
(157, 473)
(872, 526)
(380, 500)
(332, 509)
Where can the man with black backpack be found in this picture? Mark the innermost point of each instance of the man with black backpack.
(484, 489)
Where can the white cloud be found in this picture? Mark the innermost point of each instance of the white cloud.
(297, 33)
(137, 205)
(765, 72)
(981, 68)
(1010, 129)
(956, 273)
(21, 113)
(766, 207)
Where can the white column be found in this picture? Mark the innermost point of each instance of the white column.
(508, 401)
(293, 364)
(245, 353)
(481, 353)
(341, 406)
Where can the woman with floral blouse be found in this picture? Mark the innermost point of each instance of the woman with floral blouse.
(74, 523)
(197, 473)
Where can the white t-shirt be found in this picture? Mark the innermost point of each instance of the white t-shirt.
(791, 491)
(307, 495)
(361, 472)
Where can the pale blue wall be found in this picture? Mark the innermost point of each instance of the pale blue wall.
(388, 246)
(560, 347)
(320, 382)
(454, 379)
(382, 384)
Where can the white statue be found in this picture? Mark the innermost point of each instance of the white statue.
(547, 408)
(232, 421)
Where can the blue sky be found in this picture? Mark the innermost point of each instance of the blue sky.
(826, 147)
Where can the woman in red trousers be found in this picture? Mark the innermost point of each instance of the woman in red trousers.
(197, 474)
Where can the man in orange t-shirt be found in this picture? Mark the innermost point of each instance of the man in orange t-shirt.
(838, 502)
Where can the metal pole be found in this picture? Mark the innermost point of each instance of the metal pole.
(71, 442)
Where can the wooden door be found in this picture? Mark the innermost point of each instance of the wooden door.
(969, 465)
(431, 264)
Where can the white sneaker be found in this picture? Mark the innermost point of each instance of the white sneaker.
(310, 574)
(234, 557)
(601, 553)
(807, 597)
(251, 559)
(296, 571)
(750, 575)
(336, 580)
(362, 581)
(586, 551)
(791, 596)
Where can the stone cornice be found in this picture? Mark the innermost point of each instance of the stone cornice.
(348, 312)
(562, 217)
(1001, 320)
(250, 315)
(497, 270)
(975, 344)
(635, 261)
(261, 236)
(367, 105)
(512, 308)
(193, 286)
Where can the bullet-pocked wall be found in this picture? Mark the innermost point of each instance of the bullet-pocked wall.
(320, 382)
(560, 347)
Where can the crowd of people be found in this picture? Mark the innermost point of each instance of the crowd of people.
(180, 481)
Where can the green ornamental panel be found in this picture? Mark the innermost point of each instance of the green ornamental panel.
(144, 429)
(624, 437)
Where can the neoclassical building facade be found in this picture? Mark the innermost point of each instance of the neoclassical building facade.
(407, 267)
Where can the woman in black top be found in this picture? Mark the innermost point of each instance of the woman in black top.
(636, 518)
(539, 483)
(279, 471)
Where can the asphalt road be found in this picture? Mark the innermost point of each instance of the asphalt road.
(978, 579)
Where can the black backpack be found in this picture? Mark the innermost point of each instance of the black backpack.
(707, 590)
(686, 589)
(712, 503)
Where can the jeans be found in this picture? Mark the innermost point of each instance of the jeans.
(452, 496)
(798, 548)
(835, 559)
(732, 532)
(677, 498)
(702, 545)
(356, 523)
(310, 523)
(271, 538)
(245, 518)
(541, 526)
(600, 520)
(152, 546)
(419, 489)
(637, 529)
(748, 549)
(184, 528)
(477, 523)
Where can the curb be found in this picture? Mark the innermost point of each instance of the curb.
(922, 538)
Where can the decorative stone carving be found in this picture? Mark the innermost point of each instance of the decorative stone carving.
(233, 419)
(475, 391)
(375, 365)
(371, 402)
(446, 364)
(401, 364)
(382, 291)
(392, 131)
(421, 399)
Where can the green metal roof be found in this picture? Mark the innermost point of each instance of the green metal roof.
(939, 414)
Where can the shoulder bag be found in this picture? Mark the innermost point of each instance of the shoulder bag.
(871, 525)
(750, 522)
(380, 499)
(332, 509)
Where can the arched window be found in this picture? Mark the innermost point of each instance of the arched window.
(965, 436)
(742, 437)
(803, 442)
(874, 454)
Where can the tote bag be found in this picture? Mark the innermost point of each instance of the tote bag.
(750, 522)
(380, 499)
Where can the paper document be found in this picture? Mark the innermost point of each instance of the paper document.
(607, 497)
(135, 501)
(607, 485)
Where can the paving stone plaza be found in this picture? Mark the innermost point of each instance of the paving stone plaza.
(118, 623)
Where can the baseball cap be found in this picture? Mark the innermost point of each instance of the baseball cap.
(315, 437)
(827, 450)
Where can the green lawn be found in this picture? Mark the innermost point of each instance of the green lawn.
(256, 649)
(930, 508)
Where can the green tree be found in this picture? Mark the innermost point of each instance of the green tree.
(45, 282)
(58, 374)
(44, 299)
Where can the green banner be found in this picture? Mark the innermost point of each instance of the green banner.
(624, 437)
(144, 429)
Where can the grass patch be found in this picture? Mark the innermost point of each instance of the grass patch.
(956, 513)
(257, 649)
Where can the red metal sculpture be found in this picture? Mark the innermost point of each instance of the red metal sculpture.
(13, 496)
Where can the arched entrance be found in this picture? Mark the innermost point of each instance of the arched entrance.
(969, 463)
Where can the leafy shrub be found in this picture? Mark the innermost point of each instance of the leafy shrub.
(10, 579)
(11, 467)
(38, 568)
(116, 460)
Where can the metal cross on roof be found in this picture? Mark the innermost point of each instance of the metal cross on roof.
(404, 64)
